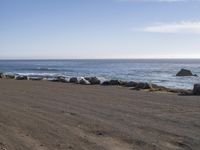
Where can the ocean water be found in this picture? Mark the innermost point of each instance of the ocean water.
(161, 72)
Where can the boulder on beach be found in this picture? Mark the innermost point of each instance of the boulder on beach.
(106, 83)
(83, 81)
(143, 85)
(21, 77)
(185, 72)
(35, 78)
(158, 87)
(8, 76)
(111, 82)
(122, 83)
(150, 86)
(131, 84)
(1, 74)
(93, 80)
(180, 91)
(114, 82)
(73, 80)
(196, 89)
(59, 79)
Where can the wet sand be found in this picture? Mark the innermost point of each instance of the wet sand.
(41, 115)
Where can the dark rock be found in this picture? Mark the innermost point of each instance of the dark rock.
(21, 77)
(62, 79)
(99, 133)
(73, 80)
(184, 72)
(122, 83)
(143, 85)
(84, 82)
(111, 82)
(131, 84)
(196, 89)
(106, 83)
(186, 92)
(115, 82)
(1, 74)
(93, 80)
(155, 86)
(179, 91)
(35, 78)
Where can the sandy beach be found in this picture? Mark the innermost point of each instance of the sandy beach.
(41, 115)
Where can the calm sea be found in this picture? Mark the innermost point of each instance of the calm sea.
(160, 72)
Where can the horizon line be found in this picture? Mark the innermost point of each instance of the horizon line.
(98, 59)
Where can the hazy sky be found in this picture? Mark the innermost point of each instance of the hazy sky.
(99, 29)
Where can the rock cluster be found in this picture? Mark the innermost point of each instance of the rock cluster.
(93, 80)
(83, 81)
(143, 85)
(35, 78)
(96, 81)
(20, 77)
(131, 84)
(114, 82)
(59, 79)
(8, 76)
(73, 80)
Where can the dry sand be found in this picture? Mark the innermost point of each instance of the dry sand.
(41, 115)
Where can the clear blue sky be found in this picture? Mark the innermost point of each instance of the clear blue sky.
(62, 29)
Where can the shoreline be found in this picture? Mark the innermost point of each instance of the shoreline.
(96, 81)
(46, 116)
